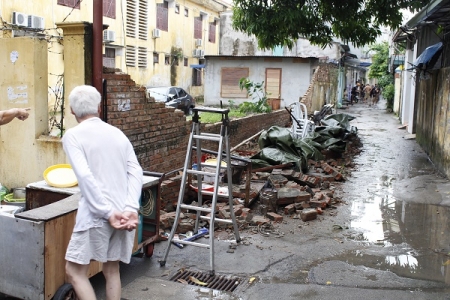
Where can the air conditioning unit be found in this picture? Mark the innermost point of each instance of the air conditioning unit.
(202, 53)
(197, 53)
(109, 36)
(198, 42)
(156, 33)
(19, 19)
(36, 22)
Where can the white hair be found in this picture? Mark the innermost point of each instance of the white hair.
(84, 100)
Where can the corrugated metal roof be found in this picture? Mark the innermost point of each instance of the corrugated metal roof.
(437, 11)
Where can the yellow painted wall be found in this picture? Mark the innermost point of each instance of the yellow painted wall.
(180, 35)
(26, 148)
(23, 83)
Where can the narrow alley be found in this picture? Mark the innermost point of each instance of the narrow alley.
(388, 240)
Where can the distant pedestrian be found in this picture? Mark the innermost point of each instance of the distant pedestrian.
(375, 93)
(353, 95)
(367, 90)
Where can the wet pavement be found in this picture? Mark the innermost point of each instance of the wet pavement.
(389, 240)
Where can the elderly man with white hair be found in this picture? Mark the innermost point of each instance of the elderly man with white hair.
(110, 180)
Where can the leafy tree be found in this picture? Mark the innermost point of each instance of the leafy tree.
(281, 22)
(379, 70)
(380, 60)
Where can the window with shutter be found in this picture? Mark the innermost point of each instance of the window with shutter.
(230, 82)
(162, 16)
(143, 19)
(131, 18)
(109, 8)
(198, 27)
(130, 56)
(70, 3)
(142, 57)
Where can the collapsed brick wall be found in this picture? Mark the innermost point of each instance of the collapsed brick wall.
(160, 134)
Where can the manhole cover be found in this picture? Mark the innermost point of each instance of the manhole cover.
(204, 279)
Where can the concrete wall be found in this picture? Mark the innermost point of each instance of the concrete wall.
(433, 118)
(23, 83)
(322, 89)
(234, 42)
(180, 35)
(295, 78)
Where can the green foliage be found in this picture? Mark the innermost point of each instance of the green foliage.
(380, 60)
(379, 70)
(388, 93)
(232, 104)
(281, 22)
(258, 95)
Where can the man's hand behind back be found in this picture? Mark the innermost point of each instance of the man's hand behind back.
(117, 220)
(130, 220)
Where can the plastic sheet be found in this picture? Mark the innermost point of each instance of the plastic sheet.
(278, 147)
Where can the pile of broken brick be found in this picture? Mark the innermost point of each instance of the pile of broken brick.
(285, 194)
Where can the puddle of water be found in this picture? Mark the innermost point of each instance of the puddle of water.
(414, 238)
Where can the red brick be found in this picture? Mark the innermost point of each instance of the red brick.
(289, 209)
(274, 217)
(308, 214)
(318, 203)
(245, 212)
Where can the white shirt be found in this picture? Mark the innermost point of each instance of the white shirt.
(108, 172)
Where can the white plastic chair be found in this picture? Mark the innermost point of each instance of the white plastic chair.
(301, 126)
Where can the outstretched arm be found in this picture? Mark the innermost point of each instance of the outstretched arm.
(7, 116)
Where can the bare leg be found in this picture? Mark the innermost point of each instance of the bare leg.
(77, 276)
(112, 276)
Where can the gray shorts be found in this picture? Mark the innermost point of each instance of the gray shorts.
(101, 244)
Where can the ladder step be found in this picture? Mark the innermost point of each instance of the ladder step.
(207, 138)
(226, 221)
(198, 208)
(210, 134)
(190, 243)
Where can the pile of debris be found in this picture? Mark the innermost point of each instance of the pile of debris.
(300, 185)
(286, 193)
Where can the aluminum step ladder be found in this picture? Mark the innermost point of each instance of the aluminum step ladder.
(223, 153)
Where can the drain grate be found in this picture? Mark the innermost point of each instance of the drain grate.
(216, 282)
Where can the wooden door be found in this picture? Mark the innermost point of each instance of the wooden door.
(273, 83)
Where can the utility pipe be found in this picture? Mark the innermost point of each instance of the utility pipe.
(97, 49)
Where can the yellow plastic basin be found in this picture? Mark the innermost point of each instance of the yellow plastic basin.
(61, 176)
